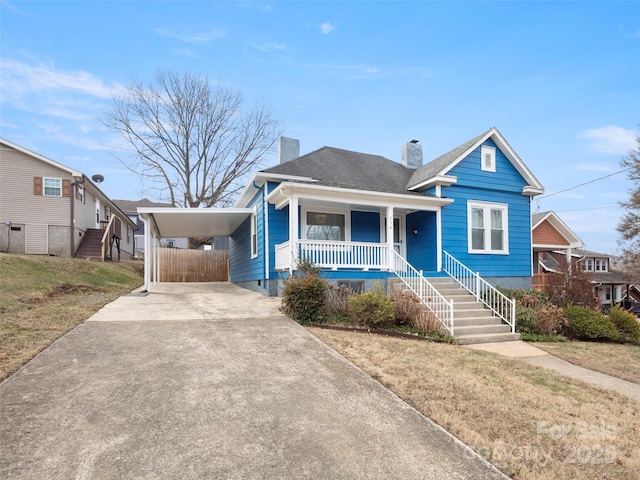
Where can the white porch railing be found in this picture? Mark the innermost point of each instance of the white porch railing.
(334, 255)
(415, 281)
(484, 292)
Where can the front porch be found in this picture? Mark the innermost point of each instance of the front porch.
(363, 256)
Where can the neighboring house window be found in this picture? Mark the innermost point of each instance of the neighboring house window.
(52, 187)
(254, 234)
(607, 292)
(601, 264)
(488, 155)
(80, 193)
(325, 226)
(487, 228)
(128, 234)
(587, 265)
(171, 243)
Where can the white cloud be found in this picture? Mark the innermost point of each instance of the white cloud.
(20, 79)
(326, 28)
(270, 47)
(197, 38)
(609, 140)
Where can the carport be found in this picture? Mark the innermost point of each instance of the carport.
(183, 222)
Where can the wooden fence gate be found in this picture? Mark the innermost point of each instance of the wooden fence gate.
(181, 265)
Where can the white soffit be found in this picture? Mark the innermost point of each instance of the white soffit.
(195, 222)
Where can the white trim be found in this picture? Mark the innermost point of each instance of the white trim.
(437, 181)
(573, 241)
(322, 209)
(402, 232)
(44, 186)
(281, 195)
(253, 239)
(489, 152)
(265, 228)
(439, 240)
(73, 172)
(487, 207)
(262, 178)
(534, 186)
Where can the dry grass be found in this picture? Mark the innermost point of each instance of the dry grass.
(622, 361)
(531, 423)
(42, 298)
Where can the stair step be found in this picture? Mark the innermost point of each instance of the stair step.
(480, 329)
(487, 338)
(468, 321)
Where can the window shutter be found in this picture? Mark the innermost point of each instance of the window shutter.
(37, 185)
(66, 188)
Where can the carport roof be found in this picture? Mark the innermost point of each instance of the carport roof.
(195, 222)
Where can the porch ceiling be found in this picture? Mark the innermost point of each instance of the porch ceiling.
(195, 222)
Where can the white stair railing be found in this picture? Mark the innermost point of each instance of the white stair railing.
(501, 305)
(429, 296)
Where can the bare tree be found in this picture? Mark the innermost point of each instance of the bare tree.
(629, 227)
(192, 140)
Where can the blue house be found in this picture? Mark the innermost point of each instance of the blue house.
(465, 215)
(360, 216)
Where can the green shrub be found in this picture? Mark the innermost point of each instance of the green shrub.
(584, 323)
(626, 323)
(526, 320)
(371, 309)
(304, 297)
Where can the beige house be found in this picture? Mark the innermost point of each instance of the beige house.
(40, 200)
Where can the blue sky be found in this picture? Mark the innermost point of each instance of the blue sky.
(560, 80)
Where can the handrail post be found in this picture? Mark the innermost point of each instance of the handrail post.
(477, 286)
(513, 315)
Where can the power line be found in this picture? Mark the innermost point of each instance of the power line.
(585, 183)
(592, 207)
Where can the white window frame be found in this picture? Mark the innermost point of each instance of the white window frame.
(80, 193)
(254, 233)
(44, 186)
(338, 211)
(600, 265)
(487, 207)
(488, 152)
(587, 265)
(171, 243)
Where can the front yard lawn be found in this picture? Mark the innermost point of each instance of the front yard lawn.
(529, 422)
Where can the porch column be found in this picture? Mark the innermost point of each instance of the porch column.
(390, 237)
(439, 240)
(293, 233)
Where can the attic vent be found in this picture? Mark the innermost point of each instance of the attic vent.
(488, 155)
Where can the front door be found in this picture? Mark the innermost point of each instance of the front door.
(399, 236)
(97, 213)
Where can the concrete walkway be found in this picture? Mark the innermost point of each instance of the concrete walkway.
(539, 358)
(211, 381)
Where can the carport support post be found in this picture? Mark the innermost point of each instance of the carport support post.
(147, 251)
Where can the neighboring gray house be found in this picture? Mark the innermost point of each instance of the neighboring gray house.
(50, 209)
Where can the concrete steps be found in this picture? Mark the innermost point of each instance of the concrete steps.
(472, 322)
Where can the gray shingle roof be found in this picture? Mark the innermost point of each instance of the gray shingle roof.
(346, 169)
(436, 166)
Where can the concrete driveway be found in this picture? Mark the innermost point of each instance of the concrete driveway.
(211, 381)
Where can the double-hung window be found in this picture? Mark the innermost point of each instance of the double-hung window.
(52, 187)
(488, 227)
(587, 265)
(325, 226)
(601, 264)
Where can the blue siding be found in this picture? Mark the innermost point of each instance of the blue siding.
(503, 186)
(278, 233)
(365, 227)
(422, 248)
(243, 267)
